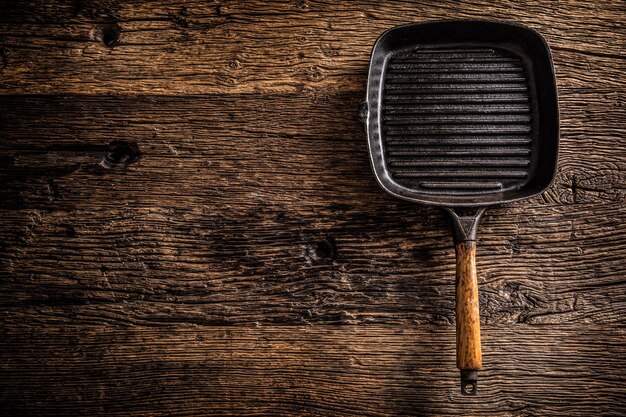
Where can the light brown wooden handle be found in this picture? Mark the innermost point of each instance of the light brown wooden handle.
(468, 351)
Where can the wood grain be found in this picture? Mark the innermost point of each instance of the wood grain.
(283, 225)
(255, 46)
(189, 224)
(468, 350)
(310, 370)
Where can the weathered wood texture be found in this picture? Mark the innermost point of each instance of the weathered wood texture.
(310, 370)
(468, 349)
(189, 224)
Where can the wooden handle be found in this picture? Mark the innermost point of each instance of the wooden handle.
(468, 352)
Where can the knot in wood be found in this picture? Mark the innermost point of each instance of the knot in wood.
(121, 154)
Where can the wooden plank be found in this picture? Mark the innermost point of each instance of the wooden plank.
(243, 210)
(189, 224)
(191, 266)
(254, 143)
(310, 370)
(255, 46)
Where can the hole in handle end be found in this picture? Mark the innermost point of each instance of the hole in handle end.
(469, 381)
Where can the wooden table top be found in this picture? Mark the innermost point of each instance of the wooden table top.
(189, 224)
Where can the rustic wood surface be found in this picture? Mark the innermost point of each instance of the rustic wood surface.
(189, 224)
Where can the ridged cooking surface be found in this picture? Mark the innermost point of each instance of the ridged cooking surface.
(457, 120)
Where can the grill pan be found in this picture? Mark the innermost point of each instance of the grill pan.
(462, 115)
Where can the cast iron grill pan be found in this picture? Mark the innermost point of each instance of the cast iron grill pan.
(457, 119)
(463, 115)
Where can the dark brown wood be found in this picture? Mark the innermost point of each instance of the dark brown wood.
(189, 224)
(468, 352)
(388, 370)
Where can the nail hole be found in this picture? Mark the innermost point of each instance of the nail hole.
(109, 34)
(69, 230)
(322, 251)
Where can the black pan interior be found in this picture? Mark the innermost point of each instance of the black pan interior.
(462, 113)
